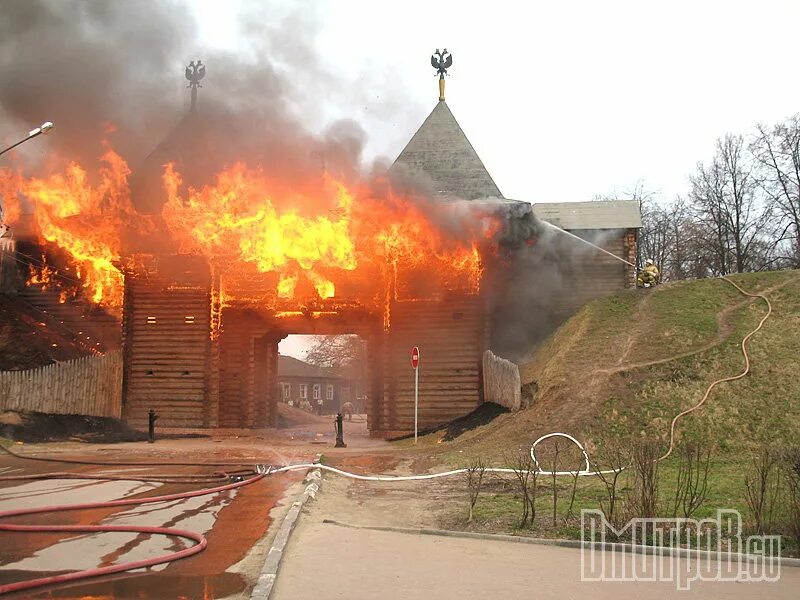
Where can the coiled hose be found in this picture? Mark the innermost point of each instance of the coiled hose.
(200, 539)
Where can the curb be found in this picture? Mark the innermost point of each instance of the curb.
(499, 537)
(269, 571)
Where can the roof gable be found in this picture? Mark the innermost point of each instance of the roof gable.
(441, 151)
(600, 214)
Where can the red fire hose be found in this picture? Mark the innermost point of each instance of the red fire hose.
(78, 575)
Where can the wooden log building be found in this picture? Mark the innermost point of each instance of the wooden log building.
(201, 364)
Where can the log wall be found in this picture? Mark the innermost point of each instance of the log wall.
(91, 385)
(167, 344)
(248, 371)
(591, 274)
(451, 336)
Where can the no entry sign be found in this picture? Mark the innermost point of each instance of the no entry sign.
(415, 365)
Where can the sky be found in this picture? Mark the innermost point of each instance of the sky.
(563, 101)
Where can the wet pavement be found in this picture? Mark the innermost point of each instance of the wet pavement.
(235, 522)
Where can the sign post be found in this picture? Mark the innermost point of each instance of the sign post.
(415, 365)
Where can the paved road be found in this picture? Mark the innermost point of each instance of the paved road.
(325, 561)
(210, 574)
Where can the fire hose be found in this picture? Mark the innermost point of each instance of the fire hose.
(716, 382)
(262, 471)
(200, 540)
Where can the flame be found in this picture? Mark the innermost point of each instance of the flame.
(317, 239)
(85, 221)
(238, 218)
(320, 234)
(42, 275)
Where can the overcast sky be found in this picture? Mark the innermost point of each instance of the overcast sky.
(562, 100)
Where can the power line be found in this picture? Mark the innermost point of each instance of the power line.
(17, 254)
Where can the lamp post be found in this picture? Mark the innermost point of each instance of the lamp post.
(44, 128)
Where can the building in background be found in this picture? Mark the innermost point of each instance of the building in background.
(323, 389)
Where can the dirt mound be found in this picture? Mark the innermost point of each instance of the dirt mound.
(35, 427)
(483, 415)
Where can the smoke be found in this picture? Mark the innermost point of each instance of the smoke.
(542, 277)
(87, 65)
(114, 71)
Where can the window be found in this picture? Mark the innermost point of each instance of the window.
(188, 319)
(329, 392)
(317, 391)
(151, 320)
(304, 390)
(287, 390)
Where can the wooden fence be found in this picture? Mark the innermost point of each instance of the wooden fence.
(91, 385)
(501, 382)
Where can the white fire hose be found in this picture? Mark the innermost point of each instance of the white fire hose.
(585, 471)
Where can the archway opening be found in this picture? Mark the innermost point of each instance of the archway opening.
(324, 374)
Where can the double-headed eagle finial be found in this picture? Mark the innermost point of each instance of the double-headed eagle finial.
(441, 61)
(194, 73)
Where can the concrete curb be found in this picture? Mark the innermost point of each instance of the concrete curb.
(269, 571)
(499, 537)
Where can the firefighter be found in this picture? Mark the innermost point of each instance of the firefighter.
(649, 275)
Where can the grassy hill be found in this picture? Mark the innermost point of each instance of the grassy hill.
(616, 374)
(623, 366)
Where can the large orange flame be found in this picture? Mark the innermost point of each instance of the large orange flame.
(318, 233)
(86, 220)
(321, 236)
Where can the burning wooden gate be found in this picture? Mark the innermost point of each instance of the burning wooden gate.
(200, 364)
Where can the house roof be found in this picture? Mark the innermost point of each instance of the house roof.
(602, 214)
(441, 151)
(288, 366)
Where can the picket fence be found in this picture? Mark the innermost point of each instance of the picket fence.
(91, 385)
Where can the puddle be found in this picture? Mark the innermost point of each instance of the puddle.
(143, 587)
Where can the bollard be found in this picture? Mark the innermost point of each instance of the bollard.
(339, 423)
(151, 426)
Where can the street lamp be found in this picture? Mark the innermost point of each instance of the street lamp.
(44, 128)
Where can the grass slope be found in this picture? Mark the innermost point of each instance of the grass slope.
(623, 366)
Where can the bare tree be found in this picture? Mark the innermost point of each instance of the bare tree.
(762, 487)
(554, 469)
(475, 472)
(526, 473)
(335, 351)
(655, 237)
(344, 354)
(614, 457)
(777, 150)
(644, 500)
(691, 487)
(724, 195)
(792, 473)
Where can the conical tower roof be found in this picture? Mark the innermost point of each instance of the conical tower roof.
(441, 151)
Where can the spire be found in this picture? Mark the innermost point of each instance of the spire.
(194, 73)
(441, 61)
(441, 152)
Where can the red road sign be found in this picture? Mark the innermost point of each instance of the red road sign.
(415, 357)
